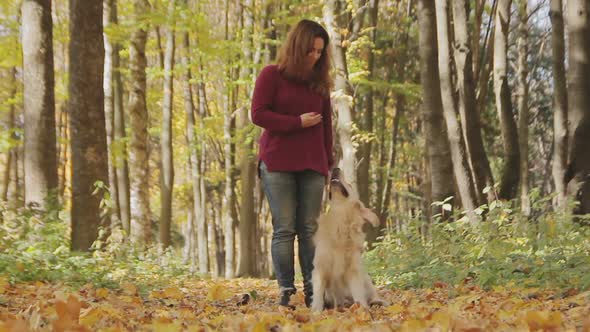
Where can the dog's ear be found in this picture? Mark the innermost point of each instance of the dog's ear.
(369, 216)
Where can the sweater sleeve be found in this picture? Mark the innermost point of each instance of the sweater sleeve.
(262, 113)
(327, 122)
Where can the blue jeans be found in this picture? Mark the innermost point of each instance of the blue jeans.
(295, 200)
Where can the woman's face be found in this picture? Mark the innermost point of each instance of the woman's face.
(315, 51)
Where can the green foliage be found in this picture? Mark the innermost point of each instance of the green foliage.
(548, 251)
(34, 245)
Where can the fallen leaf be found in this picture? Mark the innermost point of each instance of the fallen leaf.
(217, 292)
(173, 293)
(543, 320)
(101, 293)
(129, 289)
(4, 284)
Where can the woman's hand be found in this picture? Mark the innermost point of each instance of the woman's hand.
(310, 119)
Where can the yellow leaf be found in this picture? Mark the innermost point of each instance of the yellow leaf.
(543, 320)
(441, 319)
(394, 309)
(173, 293)
(102, 293)
(166, 327)
(260, 327)
(156, 294)
(413, 325)
(90, 316)
(218, 292)
(129, 289)
(4, 284)
(16, 325)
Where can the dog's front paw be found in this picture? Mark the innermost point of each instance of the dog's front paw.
(378, 302)
(317, 306)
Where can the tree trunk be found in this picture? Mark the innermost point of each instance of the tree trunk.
(219, 238)
(560, 129)
(65, 155)
(578, 173)
(457, 143)
(202, 224)
(198, 210)
(87, 122)
(121, 160)
(10, 154)
(167, 177)
(187, 231)
(485, 69)
(109, 17)
(523, 108)
(510, 174)
(437, 143)
(341, 97)
(141, 232)
(470, 118)
(400, 109)
(18, 191)
(382, 174)
(367, 121)
(228, 195)
(39, 102)
(248, 223)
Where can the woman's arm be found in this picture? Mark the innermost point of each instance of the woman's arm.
(262, 112)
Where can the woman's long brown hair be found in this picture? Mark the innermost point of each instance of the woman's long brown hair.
(292, 57)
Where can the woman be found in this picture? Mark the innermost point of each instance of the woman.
(291, 102)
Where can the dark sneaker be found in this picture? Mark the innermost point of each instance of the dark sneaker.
(308, 300)
(285, 297)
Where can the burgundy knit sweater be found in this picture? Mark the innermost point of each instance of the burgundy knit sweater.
(285, 145)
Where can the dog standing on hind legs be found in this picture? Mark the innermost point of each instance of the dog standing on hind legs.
(338, 273)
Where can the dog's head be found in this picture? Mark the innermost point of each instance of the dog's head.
(342, 195)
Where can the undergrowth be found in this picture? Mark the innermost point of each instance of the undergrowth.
(503, 248)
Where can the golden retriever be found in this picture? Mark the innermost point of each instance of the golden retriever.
(338, 273)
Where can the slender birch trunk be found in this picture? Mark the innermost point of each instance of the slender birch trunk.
(39, 102)
(167, 175)
(437, 143)
(560, 114)
(510, 175)
(457, 143)
(141, 232)
(342, 99)
(523, 108)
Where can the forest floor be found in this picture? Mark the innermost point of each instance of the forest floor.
(250, 305)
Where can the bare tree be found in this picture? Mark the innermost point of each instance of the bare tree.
(247, 266)
(228, 200)
(342, 96)
(167, 177)
(470, 118)
(457, 143)
(115, 120)
(510, 174)
(87, 122)
(577, 175)
(39, 101)
(109, 108)
(560, 130)
(364, 152)
(523, 108)
(437, 143)
(119, 134)
(138, 116)
(11, 153)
